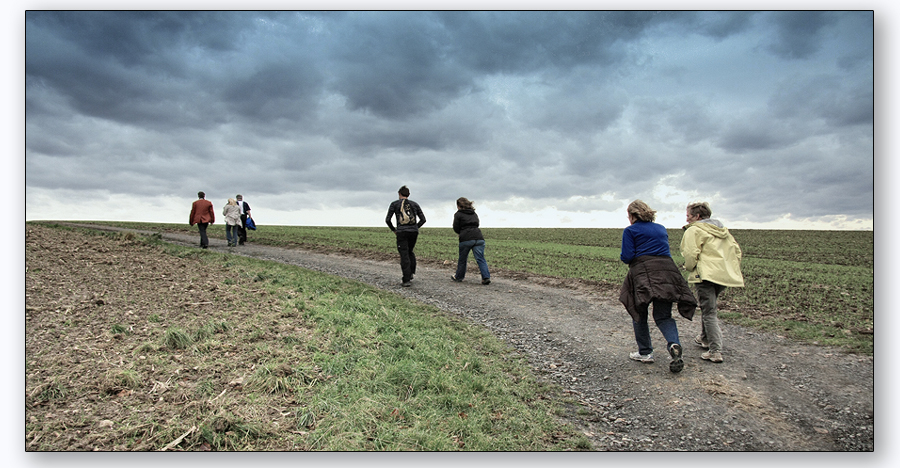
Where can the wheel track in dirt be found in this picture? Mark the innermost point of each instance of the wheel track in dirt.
(770, 394)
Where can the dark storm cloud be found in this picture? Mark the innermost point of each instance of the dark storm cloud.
(797, 33)
(537, 105)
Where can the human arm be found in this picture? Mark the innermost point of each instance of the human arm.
(390, 218)
(421, 215)
(690, 248)
(628, 251)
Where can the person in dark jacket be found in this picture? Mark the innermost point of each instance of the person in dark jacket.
(245, 213)
(465, 223)
(409, 219)
(653, 278)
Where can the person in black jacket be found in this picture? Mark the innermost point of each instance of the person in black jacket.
(409, 219)
(245, 213)
(465, 223)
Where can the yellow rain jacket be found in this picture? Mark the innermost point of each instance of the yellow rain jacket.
(711, 254)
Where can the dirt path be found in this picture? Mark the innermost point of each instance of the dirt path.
(769, 394)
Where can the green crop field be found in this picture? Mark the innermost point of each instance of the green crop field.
(816, 286)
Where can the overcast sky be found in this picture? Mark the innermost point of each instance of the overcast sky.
(544, 119)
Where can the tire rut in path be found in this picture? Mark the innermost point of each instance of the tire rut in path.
(770, 393)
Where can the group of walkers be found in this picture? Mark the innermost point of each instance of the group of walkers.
(712, 260)
(236, 213)
(409, 217)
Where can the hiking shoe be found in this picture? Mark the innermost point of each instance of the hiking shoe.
(637, 356)
(699, 342)
(486, 281)
(454, 279)
(677, 363)
(714, 356)
(406, 284)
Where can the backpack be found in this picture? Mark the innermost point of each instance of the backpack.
(407, 213)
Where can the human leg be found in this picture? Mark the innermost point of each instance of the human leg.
(229, 228)
(204, 241)
(662, 315)
(707, 295)
(463, 261)
(478, 252)
(642, 334)
(242, 230)
(403, 249)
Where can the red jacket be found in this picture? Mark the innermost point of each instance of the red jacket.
(202, 212)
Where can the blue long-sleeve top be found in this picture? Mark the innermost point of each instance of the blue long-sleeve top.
(644, 238)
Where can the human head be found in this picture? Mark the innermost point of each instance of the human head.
(201, 195)
(404, 191)
(700, 210)
(464, 203)
(231, 201)
(239, 197)
(640, 211)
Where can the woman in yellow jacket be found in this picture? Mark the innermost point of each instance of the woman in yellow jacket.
(713, 260)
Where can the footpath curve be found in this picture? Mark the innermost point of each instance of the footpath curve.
(770, 394)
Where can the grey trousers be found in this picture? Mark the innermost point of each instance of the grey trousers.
(708, 294)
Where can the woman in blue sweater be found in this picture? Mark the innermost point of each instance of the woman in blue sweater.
(653, 278)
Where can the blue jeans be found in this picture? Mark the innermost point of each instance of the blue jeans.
(231, 233)
(662, 314)
(477, 248)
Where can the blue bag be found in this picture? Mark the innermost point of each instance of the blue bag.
(250, 224)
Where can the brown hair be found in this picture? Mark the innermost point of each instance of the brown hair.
(641, 211)
(700, 209)
(465, 204)
(403, 191)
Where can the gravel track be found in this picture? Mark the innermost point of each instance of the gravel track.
(770, 394)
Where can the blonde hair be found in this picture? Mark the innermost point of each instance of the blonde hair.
(700, 209)
(641, 211)
(465, 204)
(232, 201)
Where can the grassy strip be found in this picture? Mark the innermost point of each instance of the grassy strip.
(289, 359)
(816, 286)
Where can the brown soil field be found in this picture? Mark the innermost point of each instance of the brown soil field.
(770, 394)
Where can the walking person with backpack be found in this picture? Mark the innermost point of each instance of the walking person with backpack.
(409, 219)
(245, 213)
(712, 259)
(465, 223)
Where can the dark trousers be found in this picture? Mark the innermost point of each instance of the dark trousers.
(406, 243)
(662, 315)
(242, 230)
(204, 241)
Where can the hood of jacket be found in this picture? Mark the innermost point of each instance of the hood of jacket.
(714, 227)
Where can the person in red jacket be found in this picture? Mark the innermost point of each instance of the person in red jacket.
(202, 215)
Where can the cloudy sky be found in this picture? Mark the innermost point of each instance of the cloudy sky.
(544, 119)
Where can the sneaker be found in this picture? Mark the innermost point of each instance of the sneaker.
(677, 363)
(406, 284)
(699, 342)
(714, 356)
(637, 356)
(454, 279)
(486, 281)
